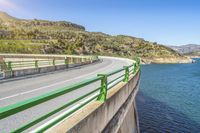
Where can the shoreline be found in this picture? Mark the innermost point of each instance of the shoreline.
(193, 56)
(167, 60)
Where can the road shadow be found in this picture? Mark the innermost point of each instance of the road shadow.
(157, 117)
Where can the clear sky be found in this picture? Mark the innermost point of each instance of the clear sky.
(171, 22)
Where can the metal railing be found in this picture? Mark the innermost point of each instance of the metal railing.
(37, 63)
(100, 93)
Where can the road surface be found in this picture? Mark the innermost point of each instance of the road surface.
(21, 89)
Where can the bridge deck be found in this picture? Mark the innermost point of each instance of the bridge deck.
(15, 91)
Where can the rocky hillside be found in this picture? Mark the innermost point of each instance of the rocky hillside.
(185, 49)
(11, 23)
(48, 37)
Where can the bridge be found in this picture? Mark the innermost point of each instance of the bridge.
(62, 93)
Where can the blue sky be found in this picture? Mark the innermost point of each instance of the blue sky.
(171, 22)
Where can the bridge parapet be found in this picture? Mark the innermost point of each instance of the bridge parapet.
(94, 111)
(118, 114)
(14, 65)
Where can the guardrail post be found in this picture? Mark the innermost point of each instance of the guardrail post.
(104, 87)
(77, 60)
(10, 65)
(54, 62)
(139, 62)
(3, 66)
(90, 59)
(66, 62)
(73, 60)
(135, 67)
(85, 60)
(36, 63)
(126, 76)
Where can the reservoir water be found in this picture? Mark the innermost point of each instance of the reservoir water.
(169, 98)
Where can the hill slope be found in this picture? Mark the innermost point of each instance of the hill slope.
(61, 37)
(4, 17)
(185, 49)
(193, 54)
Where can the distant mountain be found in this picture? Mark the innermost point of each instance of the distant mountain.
(186, 49)
(61, 37)
(193, 54)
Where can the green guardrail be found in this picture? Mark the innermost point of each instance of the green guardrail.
(12, 65)
(100, 93)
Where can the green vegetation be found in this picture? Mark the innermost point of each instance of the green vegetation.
(41, 36)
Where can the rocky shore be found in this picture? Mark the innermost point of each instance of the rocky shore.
(167, 60)
(193, 56)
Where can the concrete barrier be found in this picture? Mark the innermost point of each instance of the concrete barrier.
(31, 71)
(116, 115)
(2, 75)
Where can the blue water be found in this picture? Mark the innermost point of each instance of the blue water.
(169, 98)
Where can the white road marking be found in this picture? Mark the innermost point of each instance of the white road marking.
(48, 86)
(44, 87)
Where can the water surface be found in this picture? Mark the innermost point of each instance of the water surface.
(169, 98)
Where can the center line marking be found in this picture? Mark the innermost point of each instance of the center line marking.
(44, 87)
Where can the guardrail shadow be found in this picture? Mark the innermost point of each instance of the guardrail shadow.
(158, 117)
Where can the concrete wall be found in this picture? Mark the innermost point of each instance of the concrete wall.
(39, 56)
(73, 61)
(117, 115)
(31, 71)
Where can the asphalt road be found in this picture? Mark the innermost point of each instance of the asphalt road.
(27, 87)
